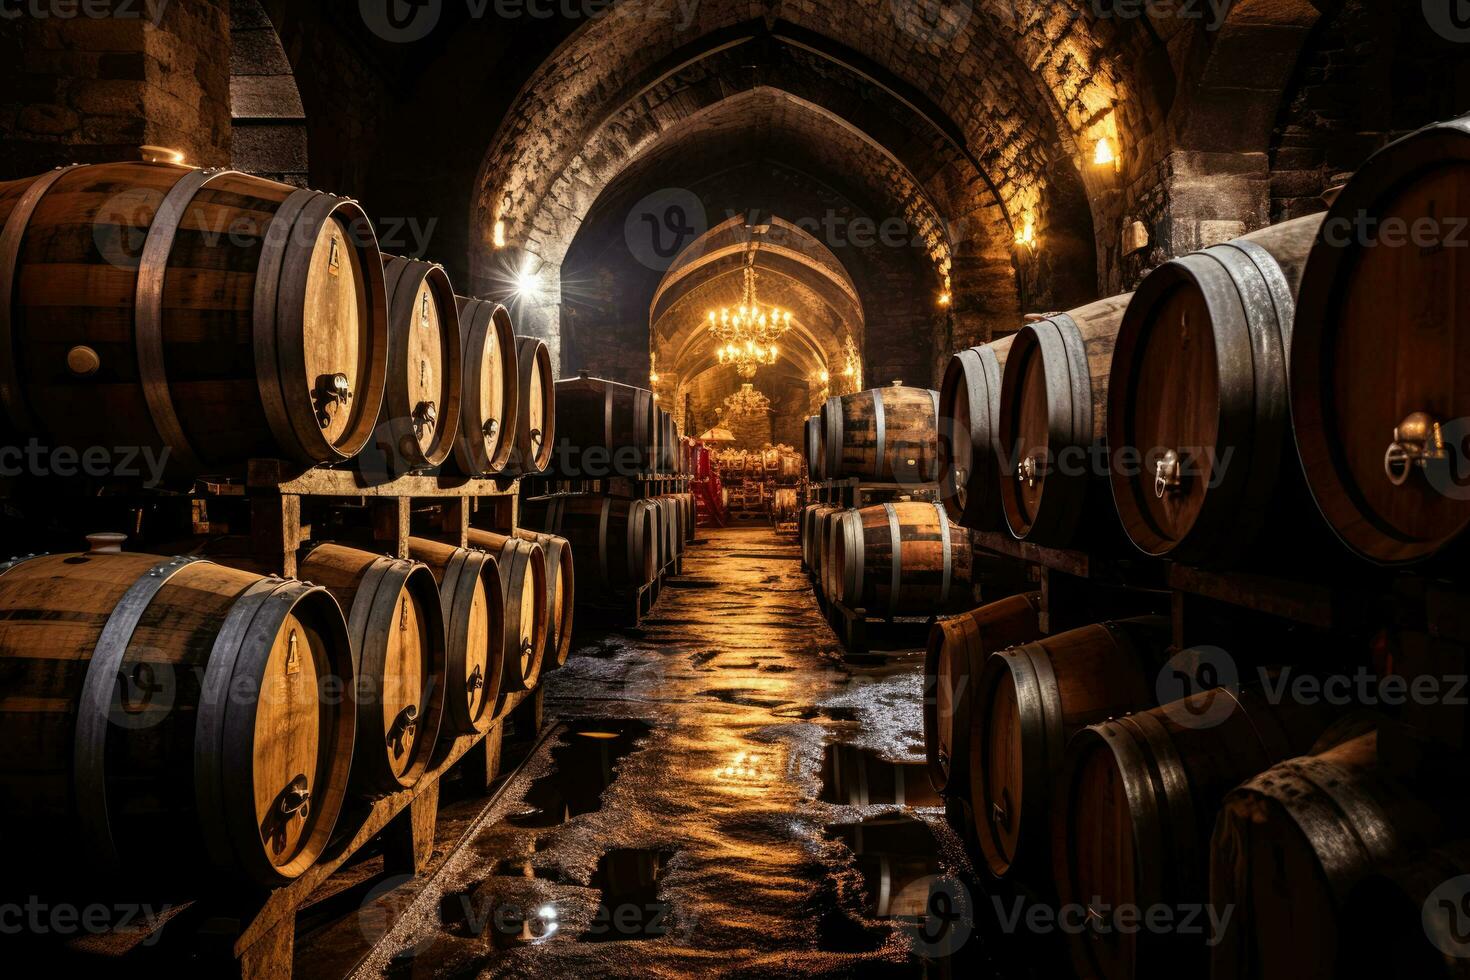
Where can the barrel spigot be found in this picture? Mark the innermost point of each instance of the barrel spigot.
(425, 418)
(1029, 471)
(1417, 441)
(1168, 475)
(331, 391)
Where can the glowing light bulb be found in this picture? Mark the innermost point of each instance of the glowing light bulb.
(1103, 155)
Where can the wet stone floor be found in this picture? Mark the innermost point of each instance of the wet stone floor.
(720, 793)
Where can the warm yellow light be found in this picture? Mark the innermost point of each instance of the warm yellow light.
(1103, 155)
(500, 234)
(944, 299)
(825, 376)
(847, 371)
(1027, 235)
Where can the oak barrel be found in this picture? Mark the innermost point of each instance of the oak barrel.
(1053, 413)
(827, 527)
(1029, 701)
(813, 445)
(561, 594)
(810, 518)
(886, 435)
(900, 559)
(421, 406)
(535, 441)
(1135, 806)
(604, 429)
(473, 604)
(1380, 380)
(1199, 429)
(970, 462)
(396, 622)
(955, 657)
(524, 576)
(614, 542)
(149, 698)
(491, 396)
(218, 316)
(1291, 844)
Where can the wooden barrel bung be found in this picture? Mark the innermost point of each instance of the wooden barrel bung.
(491, 396)
(149, 698)
(887, 435)
(1380, 382)
(396, 622)
(605, 428)
(213, 314)
(535, 440)
(1135, 806)
(1199, 428)
(1030, 700)
(1291, 844)
(900, 559)
(523, 574)
(953, 662)
(1053, 410)
(473, 603)
(615, 542)
(970, 462)
(561, 594)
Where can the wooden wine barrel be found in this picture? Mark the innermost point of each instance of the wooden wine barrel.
(604, 428)
(970, 463)
(473, 604)
(421, 406)
(887, 435)
(1135, 806)
(810, 552)
(396, 622)
(670, 529)
(1380, 384)
(524, 576)
(1199, 429)
(219, 316)
(1030, 700)
(614, 542)
(491, 396)
(561, 594)
(1291, 844)
(691, 516)
(827, 526)
(158, 699)
(668, 443)
(900, 559)
(953, 662)
(783, 505)
(1403, 922)
(535, 441)
(813, 445)
(1053, 413)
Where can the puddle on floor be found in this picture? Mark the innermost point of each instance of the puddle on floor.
(854, 776)
(582, 767)
(629, 909)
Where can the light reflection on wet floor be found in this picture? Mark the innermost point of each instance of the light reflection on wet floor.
(726, 797)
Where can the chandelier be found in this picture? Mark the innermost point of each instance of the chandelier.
(745, 403)
(747, 335)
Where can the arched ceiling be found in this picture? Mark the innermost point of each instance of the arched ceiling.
(1033, 83)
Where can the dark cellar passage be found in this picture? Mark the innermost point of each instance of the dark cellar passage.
(719, 793)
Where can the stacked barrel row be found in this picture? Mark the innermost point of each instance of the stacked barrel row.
(903, 557)
(1278, 822)
(217, 317)
(235, 715)
(615, 434)
(1315, 360)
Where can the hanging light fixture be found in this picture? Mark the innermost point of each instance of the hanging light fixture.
(746, 337)
(745, 403)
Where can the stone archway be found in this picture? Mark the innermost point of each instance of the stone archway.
(269, 121)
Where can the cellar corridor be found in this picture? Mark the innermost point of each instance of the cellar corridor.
(718, 792)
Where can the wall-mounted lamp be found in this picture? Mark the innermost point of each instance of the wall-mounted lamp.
(1103, 155)
(1027, 235)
